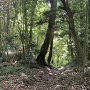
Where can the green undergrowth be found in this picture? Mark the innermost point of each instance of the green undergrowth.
(7, 68)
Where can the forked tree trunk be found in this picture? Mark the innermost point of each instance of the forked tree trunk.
(41, 57)
(50, 51)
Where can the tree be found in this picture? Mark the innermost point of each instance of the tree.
(0, 45)
(24, 7)
(27, 24)
(79, 48)
(88, 22)
(34, 3)
(49, 36)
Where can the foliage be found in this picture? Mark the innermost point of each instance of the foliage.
(13, 25)
(48, 30)
(6, 68)
(0, 86)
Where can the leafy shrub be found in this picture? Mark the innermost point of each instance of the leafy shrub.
(1, 78)
(0, 86)
(4, 64)
(7, 70)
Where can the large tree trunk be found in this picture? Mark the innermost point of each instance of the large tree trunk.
(41, 57)
(79, 49)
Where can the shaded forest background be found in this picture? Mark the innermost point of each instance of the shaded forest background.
(44, 44)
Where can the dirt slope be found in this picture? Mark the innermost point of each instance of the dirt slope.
(46, 79)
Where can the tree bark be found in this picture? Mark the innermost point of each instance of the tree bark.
(41, 57)
(25, 27)
(50, 51)
(89, 29)
(34, 3)
(0, 37)
(79, 49)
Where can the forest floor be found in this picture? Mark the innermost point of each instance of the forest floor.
(44, 79)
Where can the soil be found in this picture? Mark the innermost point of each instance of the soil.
(46, 79)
